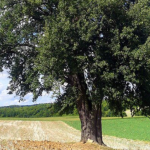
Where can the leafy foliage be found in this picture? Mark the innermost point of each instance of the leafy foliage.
(99, 49)
(62, 41)
(106, 112)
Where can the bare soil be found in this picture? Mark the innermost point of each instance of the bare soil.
(47, 145)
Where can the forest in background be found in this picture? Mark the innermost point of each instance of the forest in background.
(48, 110)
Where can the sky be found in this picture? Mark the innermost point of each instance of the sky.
(7, 99)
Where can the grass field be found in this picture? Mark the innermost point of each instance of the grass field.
(137, 128)
(129, 128)
(134, 128)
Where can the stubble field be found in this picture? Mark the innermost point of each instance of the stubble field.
(41, 135)
(49, 133)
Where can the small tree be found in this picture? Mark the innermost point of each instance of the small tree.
(98, 48)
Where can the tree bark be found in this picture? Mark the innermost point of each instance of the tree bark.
(89, 112)
(90, 117)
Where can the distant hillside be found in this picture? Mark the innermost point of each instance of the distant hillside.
(10, 106)
(36, 110)
(48, 110)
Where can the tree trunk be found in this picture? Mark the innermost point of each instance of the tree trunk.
(90, 117)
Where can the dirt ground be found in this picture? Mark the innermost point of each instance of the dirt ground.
(47, 145)
(44, 135)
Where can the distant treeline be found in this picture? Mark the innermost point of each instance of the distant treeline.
(47, 110)
(39, 110)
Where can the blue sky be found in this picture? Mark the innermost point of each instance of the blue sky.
(7, 99)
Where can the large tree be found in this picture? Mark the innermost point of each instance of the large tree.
(96, 49)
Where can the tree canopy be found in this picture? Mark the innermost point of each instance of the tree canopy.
(100, 49)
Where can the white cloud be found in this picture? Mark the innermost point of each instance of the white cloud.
(12, 99)
(3, 75)
(1, 86)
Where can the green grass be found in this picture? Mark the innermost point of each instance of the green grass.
(133, 128)
(137, 128)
